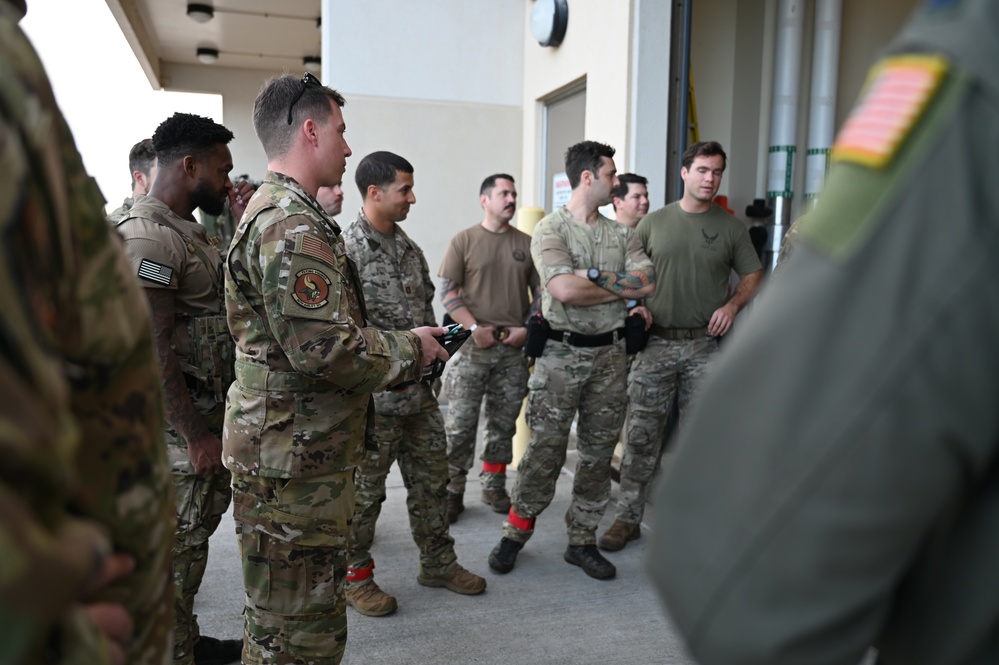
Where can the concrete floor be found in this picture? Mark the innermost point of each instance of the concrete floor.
(545, 611)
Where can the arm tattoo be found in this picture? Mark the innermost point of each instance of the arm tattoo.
(453, 303)
(626, 284)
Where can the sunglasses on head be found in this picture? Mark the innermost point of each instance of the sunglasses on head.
(307, 80)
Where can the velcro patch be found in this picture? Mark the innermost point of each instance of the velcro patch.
(155, 272)
(898, 90)
(310, 245)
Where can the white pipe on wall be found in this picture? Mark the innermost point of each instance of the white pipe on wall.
(783, 119)
(822, 111)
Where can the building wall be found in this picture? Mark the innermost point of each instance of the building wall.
(595, 49)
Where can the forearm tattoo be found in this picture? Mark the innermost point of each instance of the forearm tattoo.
(626, 284)
(454, 302)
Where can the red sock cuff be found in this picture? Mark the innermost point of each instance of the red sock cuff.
(493, 467)
(519, 522)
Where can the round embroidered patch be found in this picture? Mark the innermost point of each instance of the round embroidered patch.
(312, 288)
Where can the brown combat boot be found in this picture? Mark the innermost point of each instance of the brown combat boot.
(370, 600)
(497, 498)
(457, 579)
(618, 535)
(455, 506)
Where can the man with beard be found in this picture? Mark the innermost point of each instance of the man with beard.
(487, 282)
(695, 244)
(180, 270)
(590, 266)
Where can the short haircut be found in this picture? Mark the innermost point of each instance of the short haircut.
(185, 134)
(585, 156)
(627, 179)
(270, 110)
(141, 158)
(379, 169)
(490, 182)
(704, 149)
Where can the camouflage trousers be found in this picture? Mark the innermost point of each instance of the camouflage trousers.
(417, 441)
(292, 536)
(202, 500)
(664, 371)
(567, 380)
(499, 374)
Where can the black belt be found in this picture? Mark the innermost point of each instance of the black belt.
(588, 341)
(678, 333)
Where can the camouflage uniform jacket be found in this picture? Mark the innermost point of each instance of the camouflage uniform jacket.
(561, 244)
(398, 294)
(84, 469)
(121, 212)
(305, 363)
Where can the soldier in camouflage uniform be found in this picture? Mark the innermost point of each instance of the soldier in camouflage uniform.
(695, 245)
(142, 164)
(590, 266)
(407, 424)
(86, 505)
(487, 281)
(181, 272)
(305, 368)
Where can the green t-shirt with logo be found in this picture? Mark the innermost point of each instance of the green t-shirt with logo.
(693, 254)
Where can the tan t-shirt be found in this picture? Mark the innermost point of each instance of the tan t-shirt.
(495, 273)
(161, 259)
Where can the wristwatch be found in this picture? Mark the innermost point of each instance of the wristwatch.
(474, 327)
(632, 304)
(593, 274)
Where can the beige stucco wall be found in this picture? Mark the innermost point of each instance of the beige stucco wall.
(596, 49)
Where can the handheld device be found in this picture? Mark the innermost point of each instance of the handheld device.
(451, 341)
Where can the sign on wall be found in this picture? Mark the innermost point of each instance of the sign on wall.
(561, 191)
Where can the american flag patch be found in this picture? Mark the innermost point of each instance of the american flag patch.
(898, 91)
(155, 272)
(310, 245)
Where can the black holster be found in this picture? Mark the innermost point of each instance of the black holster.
(538, 330)
(635, 334)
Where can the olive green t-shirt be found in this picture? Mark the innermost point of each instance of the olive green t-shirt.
(693, 253)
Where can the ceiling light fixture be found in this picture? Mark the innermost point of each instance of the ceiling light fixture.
(199, 12)
(313, 63)
(208, 56)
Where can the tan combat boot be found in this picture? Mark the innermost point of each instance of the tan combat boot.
(365, 596)
(618, 535)
(457, 579)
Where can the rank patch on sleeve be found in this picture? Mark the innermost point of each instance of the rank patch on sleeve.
(155, 272)
(312, 288)
(898, 91)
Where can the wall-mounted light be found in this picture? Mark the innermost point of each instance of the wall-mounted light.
(549, 19)
(208, 56)
(313, 63)
(199, 12)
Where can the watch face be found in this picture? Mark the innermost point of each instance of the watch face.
(593, 274)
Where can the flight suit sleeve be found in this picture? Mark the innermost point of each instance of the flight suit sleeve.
(852, 480)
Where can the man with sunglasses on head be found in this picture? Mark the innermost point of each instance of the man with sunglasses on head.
(306, 366)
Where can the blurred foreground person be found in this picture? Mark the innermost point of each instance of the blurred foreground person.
(850, 497)
(86, 505)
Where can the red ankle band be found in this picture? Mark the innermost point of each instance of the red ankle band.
(360, 574)
(519, 522)
(493, 467)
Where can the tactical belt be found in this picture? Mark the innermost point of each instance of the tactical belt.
(677, 333)
(588, 341)
(259, 377)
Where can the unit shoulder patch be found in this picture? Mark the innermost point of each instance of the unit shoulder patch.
(898, 91)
